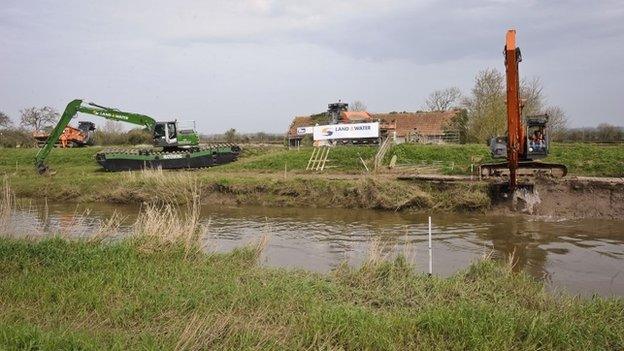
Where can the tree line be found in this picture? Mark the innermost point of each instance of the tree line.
(484, 111)
(233, 136)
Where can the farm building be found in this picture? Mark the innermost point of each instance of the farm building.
(422, 127)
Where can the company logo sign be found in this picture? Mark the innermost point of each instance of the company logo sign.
(305, 130)
(347, 131)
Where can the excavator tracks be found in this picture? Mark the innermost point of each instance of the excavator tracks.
(525, 169)
(127, 159)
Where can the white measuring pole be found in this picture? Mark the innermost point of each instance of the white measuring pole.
(430, 250)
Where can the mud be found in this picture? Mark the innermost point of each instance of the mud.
(575, 197)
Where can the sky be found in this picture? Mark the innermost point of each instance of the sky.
(254, 64)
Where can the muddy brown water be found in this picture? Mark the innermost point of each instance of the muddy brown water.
(582, 256)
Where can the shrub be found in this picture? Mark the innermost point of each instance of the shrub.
(16, 138)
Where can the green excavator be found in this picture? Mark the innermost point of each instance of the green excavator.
(175, 145)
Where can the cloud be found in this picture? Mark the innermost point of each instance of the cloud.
(284, 58)
(449, 30)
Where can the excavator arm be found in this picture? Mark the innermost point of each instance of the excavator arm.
(515, 129)
(71, 110)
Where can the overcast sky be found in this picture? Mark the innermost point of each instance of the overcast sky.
(253, 65)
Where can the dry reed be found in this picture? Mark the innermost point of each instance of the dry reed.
(7, 203)
(167, 225)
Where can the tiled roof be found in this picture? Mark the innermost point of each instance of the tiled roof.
(423, 123)
(355, 117)
(301, 121)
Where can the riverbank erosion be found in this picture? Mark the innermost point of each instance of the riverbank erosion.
(575, 197)
(277, 177)
(162, 291)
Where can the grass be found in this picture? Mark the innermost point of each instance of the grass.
(78, 178)
(277, 177)
(581, 158)
(62, 295)
(159, 288)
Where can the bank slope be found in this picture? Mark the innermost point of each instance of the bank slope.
(56, 294)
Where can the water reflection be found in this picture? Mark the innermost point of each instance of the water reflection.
(582, 256)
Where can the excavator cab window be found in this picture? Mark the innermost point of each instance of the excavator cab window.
(159, 131)
(171, 128)
(537, 136)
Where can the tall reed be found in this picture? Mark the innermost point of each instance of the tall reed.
(7, 204)
(165, 225)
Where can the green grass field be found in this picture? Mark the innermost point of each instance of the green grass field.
(581, 159)
(259, 177)
(60, 295)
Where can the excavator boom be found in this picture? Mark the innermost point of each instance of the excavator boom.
(527, 139)
(71, 110)
(174, 146)
(515, 129)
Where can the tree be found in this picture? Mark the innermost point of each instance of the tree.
(532, 97)
(112, 127)
(486, 106)
(38, 118)
(5, 121)
(459, 124)
(608, 132)
(487, 111)
(230, 135)
(442, 100)
(557, 122)
(357, 105)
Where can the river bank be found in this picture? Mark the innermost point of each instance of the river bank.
(165, 294)
(581, 256)
(276, 177)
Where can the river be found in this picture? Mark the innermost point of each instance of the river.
(582, 256)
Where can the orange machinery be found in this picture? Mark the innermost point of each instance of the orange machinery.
(71, 136)
(520, 147)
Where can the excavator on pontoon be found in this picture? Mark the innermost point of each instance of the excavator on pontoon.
(527, 139)
(175, 145)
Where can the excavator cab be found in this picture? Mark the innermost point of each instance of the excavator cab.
(165, 134)
(537, 140)
(171, 135)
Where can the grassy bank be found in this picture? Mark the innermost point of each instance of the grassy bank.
(581, 158)
(77, 178)
(277, 177)
(56, 294)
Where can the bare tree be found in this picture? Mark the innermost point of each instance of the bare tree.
(113, 127)
(38, 118)
(357, 105)
(230, 135)
(557, 122)
(486, 106)
(532, 97)
(608, 132)
(442, 100)
(5, 121)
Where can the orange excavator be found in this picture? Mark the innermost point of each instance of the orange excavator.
(71, 136)
(527, 138)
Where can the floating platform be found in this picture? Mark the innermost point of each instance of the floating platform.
(124, 159)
